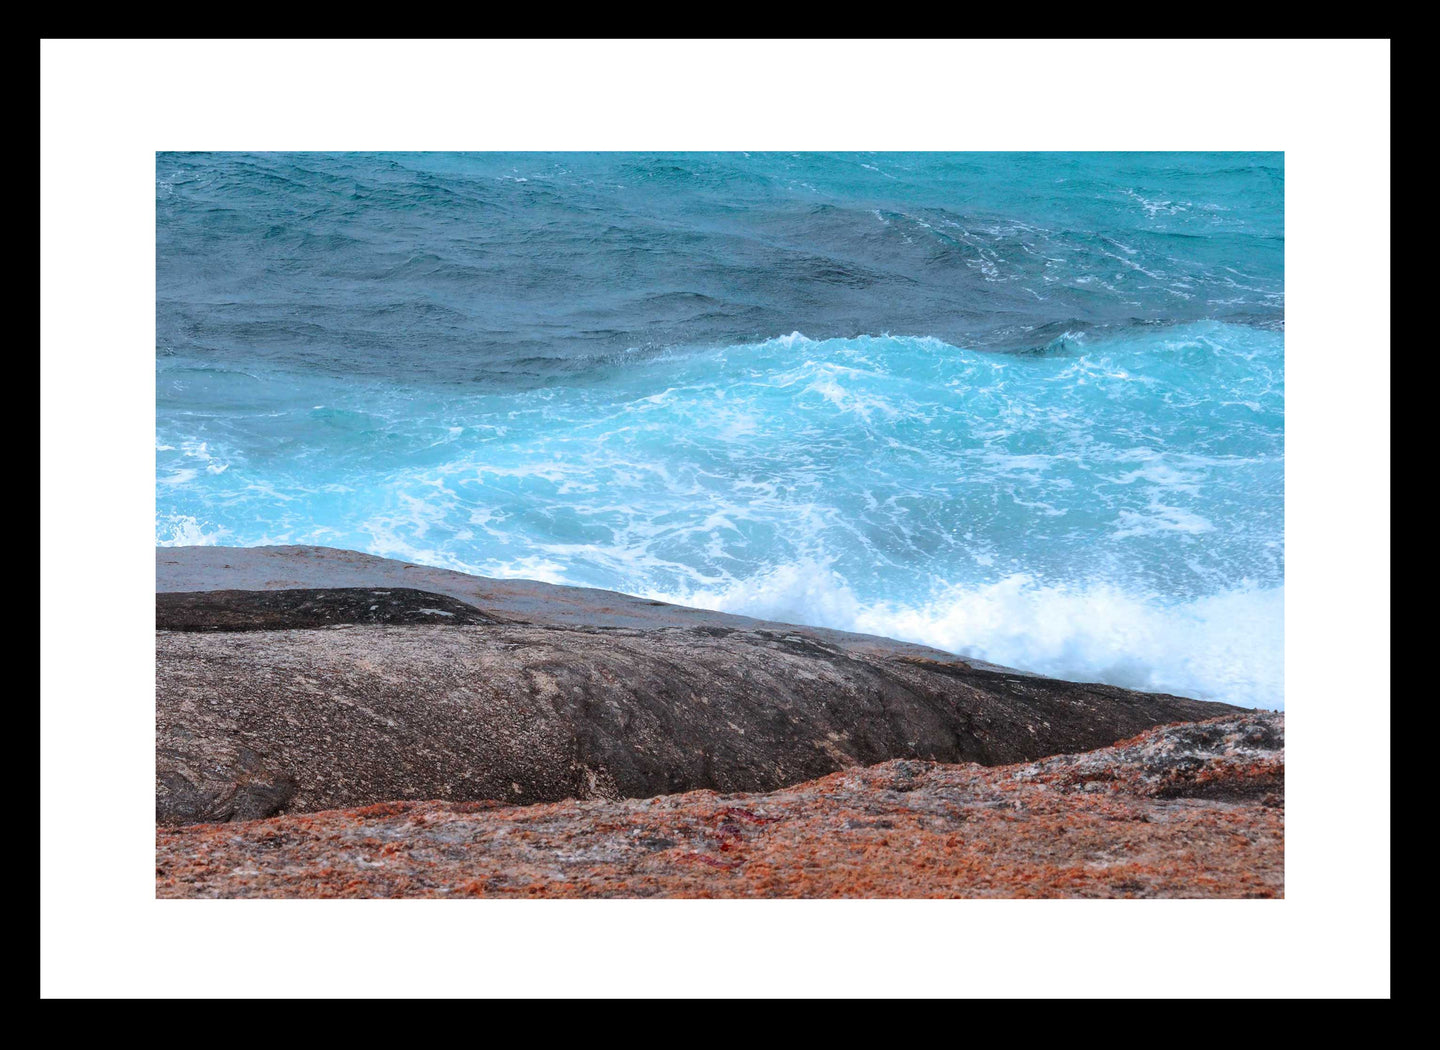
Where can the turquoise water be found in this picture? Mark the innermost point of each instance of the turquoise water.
(1036, 414)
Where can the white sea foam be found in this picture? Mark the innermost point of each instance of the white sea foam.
(1059, 512)
(184, 530)
(1227, 646)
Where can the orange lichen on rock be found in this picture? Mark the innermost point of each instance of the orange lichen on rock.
(1188, 810)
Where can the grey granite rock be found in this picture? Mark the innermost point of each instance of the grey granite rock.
(614, 702)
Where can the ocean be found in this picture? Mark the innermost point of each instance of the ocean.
(1023, 407)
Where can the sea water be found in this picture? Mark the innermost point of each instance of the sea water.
(1028, 408)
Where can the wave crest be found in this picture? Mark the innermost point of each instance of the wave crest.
(1227, 646)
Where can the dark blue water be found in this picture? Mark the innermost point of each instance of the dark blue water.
(1029, 407)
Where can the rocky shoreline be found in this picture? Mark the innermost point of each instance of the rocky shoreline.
(1194, 810)
(330, 691)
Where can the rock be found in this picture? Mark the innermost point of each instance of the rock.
(1180, 811)
(233, 783)
(256, 717)
(309, 607)
(522, 601)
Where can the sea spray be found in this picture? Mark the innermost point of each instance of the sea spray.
(1067, 455)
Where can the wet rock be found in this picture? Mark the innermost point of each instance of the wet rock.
(307, 608)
